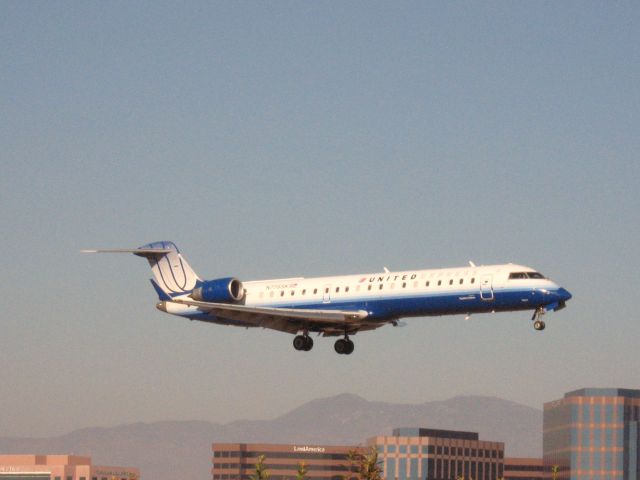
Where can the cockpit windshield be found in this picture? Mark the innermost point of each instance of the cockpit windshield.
(522, 275)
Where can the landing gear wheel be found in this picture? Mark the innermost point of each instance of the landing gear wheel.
(303, 342)
(308, 343)
(340, 346)
(350, 347)
(344, 346)
(539, 325)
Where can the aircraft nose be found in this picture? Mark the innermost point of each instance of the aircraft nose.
(564, 294)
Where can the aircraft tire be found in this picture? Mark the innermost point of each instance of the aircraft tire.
(308, 343)
(350, 347)
(300, 342)
(340, 346)
(539, 325)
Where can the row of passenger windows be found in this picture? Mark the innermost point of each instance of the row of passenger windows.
(371, 287)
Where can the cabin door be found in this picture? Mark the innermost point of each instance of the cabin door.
(486, 287)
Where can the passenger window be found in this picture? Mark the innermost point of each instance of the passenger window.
(404, 285)
(369, 287)
(304, 291)
(282, 293)
(473, 280)
(326, 290)
(439, 282)
(315, 290)
(461, 280)
(346, 289)
(426, 284)
(381, 285)
(451, 282)
(337, 289)
(292, 292)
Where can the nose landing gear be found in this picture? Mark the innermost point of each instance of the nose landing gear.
(537, 323)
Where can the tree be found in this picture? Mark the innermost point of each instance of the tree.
(261, 472)
(302, 471)
(369, 468)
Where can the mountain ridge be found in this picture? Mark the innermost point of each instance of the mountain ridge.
(169, 449)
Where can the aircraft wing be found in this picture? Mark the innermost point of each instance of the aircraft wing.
(291, 320)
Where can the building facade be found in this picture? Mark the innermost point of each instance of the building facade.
(593, 434)
(518, 468)
(237, 461)
(428, 454)
(60, 467)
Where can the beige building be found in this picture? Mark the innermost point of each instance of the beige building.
(60, 467)
(237, 461)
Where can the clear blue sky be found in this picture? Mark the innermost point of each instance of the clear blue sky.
(272, 139)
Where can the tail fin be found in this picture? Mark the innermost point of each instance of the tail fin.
(173, 275)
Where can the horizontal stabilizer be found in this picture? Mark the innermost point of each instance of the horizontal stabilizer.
(141, 252)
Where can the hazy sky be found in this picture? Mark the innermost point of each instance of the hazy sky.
(278, 139)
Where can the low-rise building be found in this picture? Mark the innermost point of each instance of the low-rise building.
(519, 468)
(237, 461)
(60, 467)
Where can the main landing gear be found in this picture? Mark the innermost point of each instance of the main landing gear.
(303, 342)
(344, 346)
(537, 323)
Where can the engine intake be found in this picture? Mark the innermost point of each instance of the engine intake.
(222, 290)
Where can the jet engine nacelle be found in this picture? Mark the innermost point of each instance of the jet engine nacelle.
(222, 290)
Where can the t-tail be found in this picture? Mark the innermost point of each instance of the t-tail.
(173, 276)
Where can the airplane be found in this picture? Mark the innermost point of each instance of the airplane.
(344, 305)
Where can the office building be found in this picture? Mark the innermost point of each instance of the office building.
(237, 461)
(60, 467)
(517, 468)
(593, 434)
(428, 454)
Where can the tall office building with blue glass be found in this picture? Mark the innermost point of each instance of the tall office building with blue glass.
(593, 433)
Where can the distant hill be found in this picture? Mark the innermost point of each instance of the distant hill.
(182, 449)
